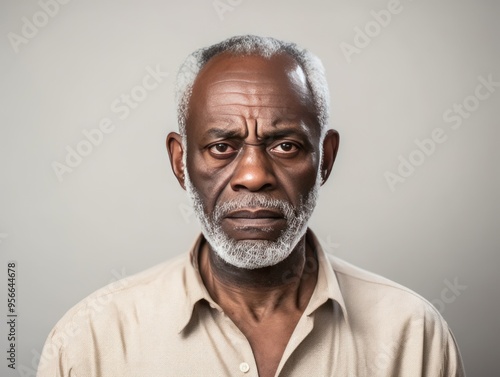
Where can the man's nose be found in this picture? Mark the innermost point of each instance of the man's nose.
(253, 171)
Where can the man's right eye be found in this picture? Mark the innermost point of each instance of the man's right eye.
(221, 150)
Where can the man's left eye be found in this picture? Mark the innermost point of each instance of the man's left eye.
(285, 147)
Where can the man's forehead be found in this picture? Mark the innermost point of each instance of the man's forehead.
(251, 68)
(234, 90)
(260, 85)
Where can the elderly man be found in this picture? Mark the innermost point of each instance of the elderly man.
(256, 295)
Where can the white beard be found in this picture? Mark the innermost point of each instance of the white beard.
(252, 254)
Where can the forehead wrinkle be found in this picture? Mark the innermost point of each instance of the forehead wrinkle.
(256, 81)
(243, 92)
(260, 114)
(250, 87)
(275, 128)
(238, 113)
(250, 105)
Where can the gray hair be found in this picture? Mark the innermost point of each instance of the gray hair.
(265, 47)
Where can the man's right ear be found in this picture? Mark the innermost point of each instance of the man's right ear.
(175, 153)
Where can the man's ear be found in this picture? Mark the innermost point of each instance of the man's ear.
(330, 148)
(175, 152)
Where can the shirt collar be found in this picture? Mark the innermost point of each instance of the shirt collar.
(327, 285)
(194, 288)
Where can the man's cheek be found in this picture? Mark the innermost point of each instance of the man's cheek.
(212, 191)
(297, 183)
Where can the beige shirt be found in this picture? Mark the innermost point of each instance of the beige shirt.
(163, 322)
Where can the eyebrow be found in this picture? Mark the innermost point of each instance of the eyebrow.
(228, 133)
(224, 133)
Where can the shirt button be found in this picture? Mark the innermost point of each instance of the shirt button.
(244, 367)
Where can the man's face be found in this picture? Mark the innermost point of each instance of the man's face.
(253, 155)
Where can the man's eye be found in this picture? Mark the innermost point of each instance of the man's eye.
(285, 147)
(221, 149)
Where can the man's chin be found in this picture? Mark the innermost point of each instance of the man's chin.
(250, 254)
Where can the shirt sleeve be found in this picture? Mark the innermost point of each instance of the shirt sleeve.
(53, 361)
(452, 361)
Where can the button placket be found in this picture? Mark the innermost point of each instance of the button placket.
(247, 365)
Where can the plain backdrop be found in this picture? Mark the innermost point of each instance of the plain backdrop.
(120, 210)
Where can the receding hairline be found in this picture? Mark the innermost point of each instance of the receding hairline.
(289, 65)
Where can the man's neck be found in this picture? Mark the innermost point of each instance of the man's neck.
(256, 294)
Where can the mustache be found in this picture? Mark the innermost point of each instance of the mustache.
(248, 201)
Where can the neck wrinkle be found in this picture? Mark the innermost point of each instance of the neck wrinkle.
(290, 289)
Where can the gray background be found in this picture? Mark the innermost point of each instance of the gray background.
(121, 211)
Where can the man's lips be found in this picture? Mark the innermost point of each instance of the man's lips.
(254, 214)
(254, 223)
(255, 220)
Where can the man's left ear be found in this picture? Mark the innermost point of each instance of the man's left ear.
(330, 148)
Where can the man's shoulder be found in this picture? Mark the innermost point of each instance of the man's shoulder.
(396, 322)
(349, 273)
(368, 294)
(147, 287)
(128, 307)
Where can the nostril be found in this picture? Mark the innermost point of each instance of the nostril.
(240, 187)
